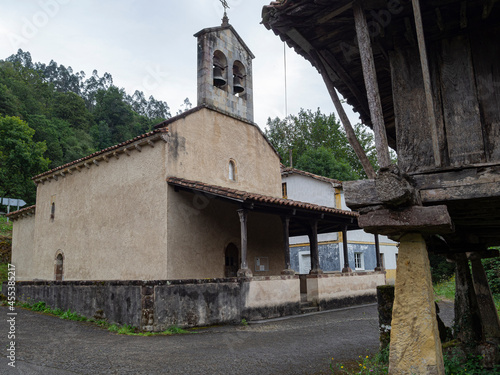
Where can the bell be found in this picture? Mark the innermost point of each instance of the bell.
(237, 86)
(219, 80)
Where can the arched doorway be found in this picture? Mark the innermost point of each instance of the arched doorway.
(231, 256)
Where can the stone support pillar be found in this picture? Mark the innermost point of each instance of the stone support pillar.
(313, 246)
(244, 271)
(286, 241)
(415, 343)
(346, 268)
(489, 314)
(377, 253)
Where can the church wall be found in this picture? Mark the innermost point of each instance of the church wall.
(200, 228)
(23, 239)
(109, 220)
(202, 144)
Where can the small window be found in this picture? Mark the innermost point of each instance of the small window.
(52, 207)
(232, 170)
(283, 190)
(382, 260)
(359, 261)
(261, 264)
(59, 267)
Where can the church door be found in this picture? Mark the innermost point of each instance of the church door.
(231, 255)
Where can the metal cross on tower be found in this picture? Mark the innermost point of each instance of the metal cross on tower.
(225, 20)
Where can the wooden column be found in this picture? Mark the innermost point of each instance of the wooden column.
(346, 268)
(286, 241)
(244, 271)
(370, 76)
(489, 314)
(377, 253)
(313, 246)
(415, 343)
(467, 316)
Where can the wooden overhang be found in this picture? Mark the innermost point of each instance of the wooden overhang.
(460, 168)
(300, 213)
(324, 33)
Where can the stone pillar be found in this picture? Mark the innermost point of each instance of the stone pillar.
(346, 268)
(313, 246)
(244, 271)
(286, 241)
(415, 343)
(489, 314)
(467, 317)
(377, 253)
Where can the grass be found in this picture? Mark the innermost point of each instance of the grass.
(445, 290)
(115, 328)
(5, 227)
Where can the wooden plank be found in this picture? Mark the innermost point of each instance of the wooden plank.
(486, 57)
(415, 147)
(427, 82)
(360, 193)
(464, 192)
(460, 104)
(434, 219)
(370, 77)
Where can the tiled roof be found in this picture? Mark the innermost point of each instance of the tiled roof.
(22, 212)
(95, 154)
(286, 171)
(247, 197)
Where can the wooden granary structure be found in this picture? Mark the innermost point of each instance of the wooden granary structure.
(425, 76)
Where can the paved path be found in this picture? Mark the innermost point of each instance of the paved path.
(303, 345)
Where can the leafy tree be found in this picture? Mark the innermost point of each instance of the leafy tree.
(321, 161)
(309, 131)
(20, 159)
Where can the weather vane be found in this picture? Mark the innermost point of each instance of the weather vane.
(225, 20)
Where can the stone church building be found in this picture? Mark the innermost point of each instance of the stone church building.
(183, 225)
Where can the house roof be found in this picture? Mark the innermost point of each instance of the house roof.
(26, 211)
(120, 147)
(329, 219)
(290, 171)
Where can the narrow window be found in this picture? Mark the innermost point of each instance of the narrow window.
(359, 263)
(59, 267)
(232, 170)
(382, 261)
(283, 190)
(52, 207)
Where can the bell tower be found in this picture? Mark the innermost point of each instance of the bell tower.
(225, 71)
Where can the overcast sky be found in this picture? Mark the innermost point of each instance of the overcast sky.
(149, 46)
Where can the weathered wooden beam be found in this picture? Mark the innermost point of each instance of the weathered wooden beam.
(463, 14)
(95, 162)
(487, 7)
(151, 143)
(370, 77)
(69, 171)
(126, 150)
(86, 165)
(427, 82)
(439, 19)
(137, 147)
(462, 192)
(360, 193)
(484, 254)
(115, 154)
(78, 168)
(105, 158)
(433, 219)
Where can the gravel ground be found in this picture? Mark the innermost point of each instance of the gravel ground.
(301, 345)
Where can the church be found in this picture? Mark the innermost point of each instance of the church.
(185, 224)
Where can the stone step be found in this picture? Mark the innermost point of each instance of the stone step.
(303, 297)
(305, 310)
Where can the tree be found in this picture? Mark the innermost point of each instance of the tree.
(20, 159)
(321, 161)
(309, 131)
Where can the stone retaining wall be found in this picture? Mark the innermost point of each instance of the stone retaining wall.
(156, 305)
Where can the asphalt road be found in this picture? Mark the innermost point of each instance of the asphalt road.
(302, 345)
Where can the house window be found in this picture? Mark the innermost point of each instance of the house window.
(359, 261)
(232, 170)
(59, 267)
(283, 190)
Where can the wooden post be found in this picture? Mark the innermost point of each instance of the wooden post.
(286, 241)
(467, 316)
(346, 268)
(427, 82)
(313, 246)
(415, 343)
(377, 253)
(244, 271)
(487, 309)
(370, 76)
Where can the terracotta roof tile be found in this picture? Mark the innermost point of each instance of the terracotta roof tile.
(248, 197)
(111, 148)
(16, 214)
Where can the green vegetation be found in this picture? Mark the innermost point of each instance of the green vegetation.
(319, 144)
(445, 290)
(115, 328)
(5, 227)
(50, 115)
